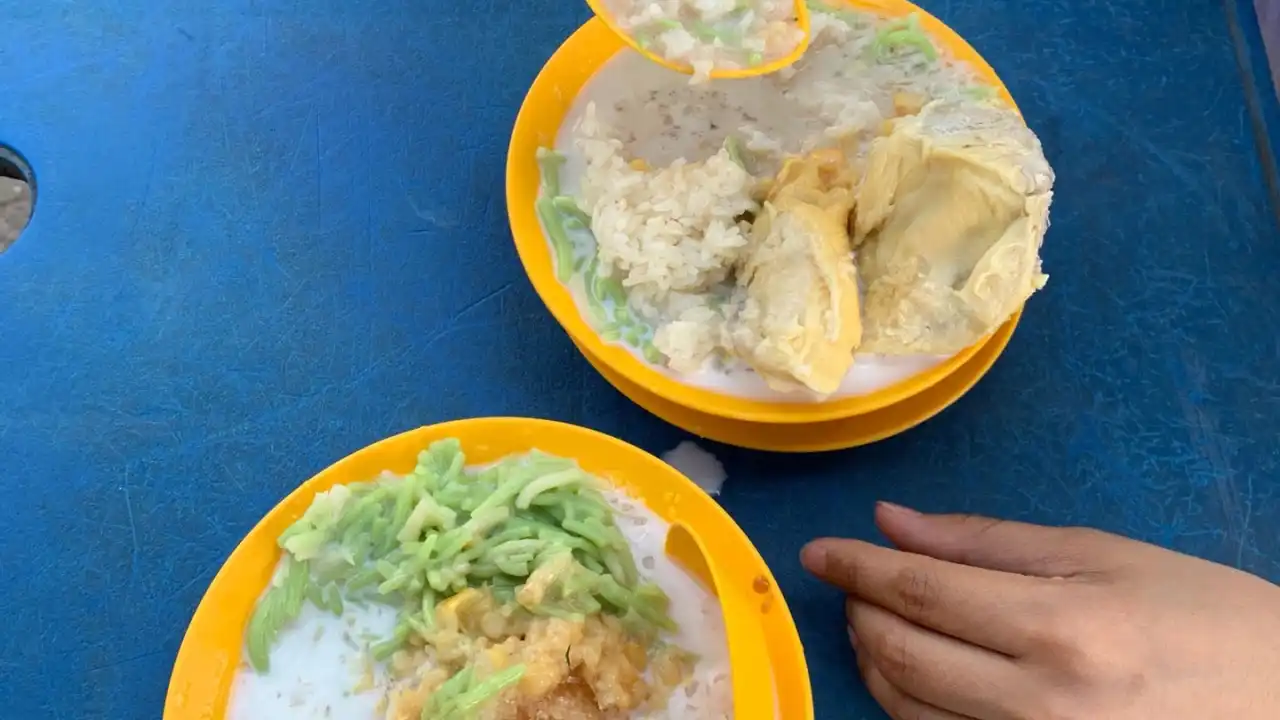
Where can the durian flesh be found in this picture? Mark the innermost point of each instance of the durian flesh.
(948, 221)
(800, 322)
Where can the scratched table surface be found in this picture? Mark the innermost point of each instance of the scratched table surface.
(270, 232)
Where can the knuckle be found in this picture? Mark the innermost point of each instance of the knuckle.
(893, 656)
(895, 703)
(1085, 546)
(971, 529)
(1054, 625)
(1062, 559)
(915, 590)
(1065, 639)
(1094, 649)
(1071, 553)
(1068, 617)
(981, 524)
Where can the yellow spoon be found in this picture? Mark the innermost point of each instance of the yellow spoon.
(802, 21)
(750, 667)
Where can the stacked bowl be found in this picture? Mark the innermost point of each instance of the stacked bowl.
(765, 424)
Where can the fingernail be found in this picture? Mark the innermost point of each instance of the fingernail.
(898, 509)
(814, 558)
(853, 637)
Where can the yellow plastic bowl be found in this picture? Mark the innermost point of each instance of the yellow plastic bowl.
(211, 652)
(824, 436)
(537, 124)
(802, 17)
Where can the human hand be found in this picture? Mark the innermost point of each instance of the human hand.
(981, 619)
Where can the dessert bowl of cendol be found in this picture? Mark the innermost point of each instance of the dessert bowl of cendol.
(809, 245)
(486, 569)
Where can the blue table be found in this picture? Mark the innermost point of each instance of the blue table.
(269, 232)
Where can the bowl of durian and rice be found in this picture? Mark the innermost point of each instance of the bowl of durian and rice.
(813, 244)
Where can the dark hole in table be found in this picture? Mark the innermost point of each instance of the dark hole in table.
(17, 195)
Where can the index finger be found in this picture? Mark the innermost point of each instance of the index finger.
(995, 610)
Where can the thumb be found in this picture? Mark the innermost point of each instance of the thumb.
(1002, 545)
